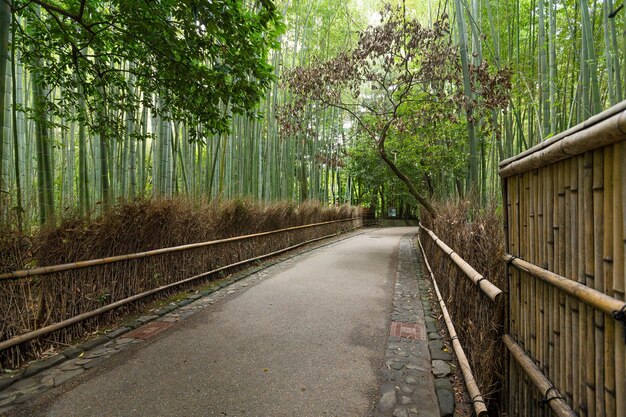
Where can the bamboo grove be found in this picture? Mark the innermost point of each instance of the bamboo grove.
(60, 153)
(110, 100)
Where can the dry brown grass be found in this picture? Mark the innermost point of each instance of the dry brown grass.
(477, 236)
(138, 226)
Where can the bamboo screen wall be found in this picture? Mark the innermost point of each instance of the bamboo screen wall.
(565, 213)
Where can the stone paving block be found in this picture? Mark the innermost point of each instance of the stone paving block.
(71, 353)
(134, 324)
(435, 344)
(446, 402)
(148, 318)
(95, 362)
(40, 365)
(7, 380)
(90, 344)
(441, 355)
(184, 302)
(397, 366)
(165, 309)
(185, 314)
(388, 397)
(116, 333)
(170, 319)
(441, 368)
(61, 378)
(69, 366)
(443, 383)
(7, 400)
(23, 384)
(401, 411)
(430, 325)
(124, 341)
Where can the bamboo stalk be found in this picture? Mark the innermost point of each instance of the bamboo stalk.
(551, 309)
(598, 277)
(485, 286)
(466, 369)
(94, 262)
(580, 274)
(560, 261)
(567, 332)
(590, 296)
(589, 337)
(619, 193)
(556, 402)
(84, 316)
(607, 268)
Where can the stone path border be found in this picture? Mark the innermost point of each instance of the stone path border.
(417, 365)
(41, 375)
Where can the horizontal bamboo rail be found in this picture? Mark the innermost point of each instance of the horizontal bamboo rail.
(485, 285)
(470, 382)
(592, 297)
(572, 130)
(44, 270)
(84, 316)
(602, 133)
(551, 395)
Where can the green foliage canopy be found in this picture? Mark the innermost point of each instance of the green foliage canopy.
(200, 60)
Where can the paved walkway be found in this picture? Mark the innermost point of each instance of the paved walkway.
(306, 337)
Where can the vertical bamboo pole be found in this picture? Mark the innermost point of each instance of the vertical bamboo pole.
(607, 258)
(541, 236)
(619, 275)
(598, 281)
(581, 405)
(589, 346)
(574, 272)
(524, 253)
(532, 230)
(550, 312)
(567, 335)
(560, 268)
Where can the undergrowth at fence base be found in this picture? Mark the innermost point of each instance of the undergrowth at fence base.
(34, 302)
(477, 236)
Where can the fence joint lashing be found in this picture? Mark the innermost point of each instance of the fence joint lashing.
(546, 400)
(511, 259)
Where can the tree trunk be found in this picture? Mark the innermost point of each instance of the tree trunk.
(421, 199)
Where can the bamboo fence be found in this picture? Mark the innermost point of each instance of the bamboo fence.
(125, 279)
(480, 407)
(483, 283)
(564, 220)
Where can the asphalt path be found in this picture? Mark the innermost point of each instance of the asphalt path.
(306, 338)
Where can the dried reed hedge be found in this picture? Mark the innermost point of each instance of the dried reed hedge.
(478, 320)
(31, 303)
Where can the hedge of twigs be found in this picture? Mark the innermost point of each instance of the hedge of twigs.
(477, 236)
(31, 303)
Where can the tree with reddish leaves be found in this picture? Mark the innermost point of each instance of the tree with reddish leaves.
(400, 77)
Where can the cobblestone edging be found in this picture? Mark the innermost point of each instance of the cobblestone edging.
(42, 375)
(416, 382)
